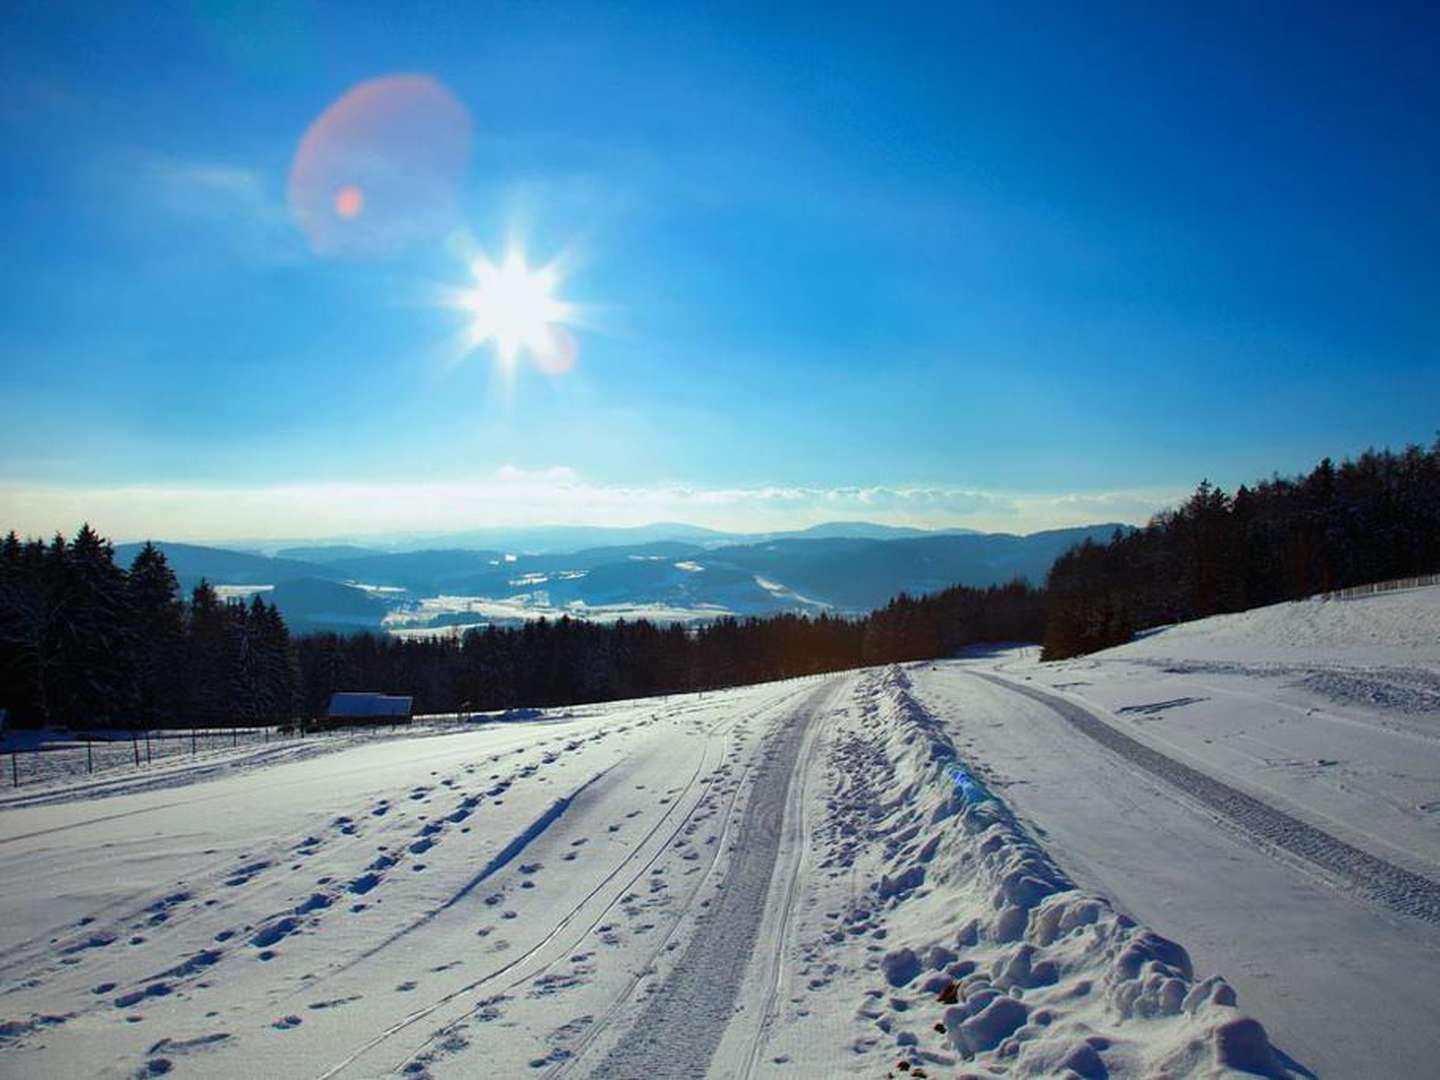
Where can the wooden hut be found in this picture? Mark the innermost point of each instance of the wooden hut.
(366, 710)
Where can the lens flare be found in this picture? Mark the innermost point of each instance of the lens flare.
(380, 168)
(349, 201)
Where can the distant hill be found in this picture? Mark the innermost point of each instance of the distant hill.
(325, 553)
(568, 539)
(859, 575)
(313, 604)
(421, 571)
(790, 572)
(552, 539)
(220, 566)
(859, 530)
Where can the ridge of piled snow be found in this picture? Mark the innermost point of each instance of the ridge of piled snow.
(1326, 712)
(979, 949)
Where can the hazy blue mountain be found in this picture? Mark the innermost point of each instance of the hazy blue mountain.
(858, 575)
(221, 566)
(312, 604)
(565, 539)
(859, 530)
(811, 572)
(327, 553)
(551, 539)
(421, 571)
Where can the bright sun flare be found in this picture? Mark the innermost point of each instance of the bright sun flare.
(515, 308)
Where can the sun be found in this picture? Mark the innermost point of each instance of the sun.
(515, 308)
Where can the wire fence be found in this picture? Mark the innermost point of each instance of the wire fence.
(84, 753)
(1382, 587)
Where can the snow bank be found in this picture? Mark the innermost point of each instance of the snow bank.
(980, 950)
(1390, 628)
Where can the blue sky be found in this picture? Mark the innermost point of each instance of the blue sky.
(936, 264)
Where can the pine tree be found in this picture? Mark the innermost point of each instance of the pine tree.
(160, 637)
(208, 669)
(98, 637)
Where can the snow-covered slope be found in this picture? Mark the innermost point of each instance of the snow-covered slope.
(1388, 628)
(1264, 787)
(779, 880)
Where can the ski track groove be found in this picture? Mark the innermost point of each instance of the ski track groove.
(1380, 881)
(564, 1066)
(679, 1029)
(768, 1014)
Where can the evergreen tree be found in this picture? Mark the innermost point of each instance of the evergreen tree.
(159, 623)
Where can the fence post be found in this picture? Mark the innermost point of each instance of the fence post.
(192, 739)
(235, 736)
(89, 757)
(135, 741)
(15, 769)
(147, 746)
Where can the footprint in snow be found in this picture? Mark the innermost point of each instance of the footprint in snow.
(334, 1003)
(159, 989)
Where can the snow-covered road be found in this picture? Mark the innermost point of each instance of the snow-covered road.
(346, 913)
(1381, 881)
(775, 880)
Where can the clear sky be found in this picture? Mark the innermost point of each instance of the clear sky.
(1004, 266)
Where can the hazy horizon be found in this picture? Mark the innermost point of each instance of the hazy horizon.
(302, 513)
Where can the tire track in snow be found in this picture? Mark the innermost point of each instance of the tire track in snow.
(1381, 881)
(680, 1027)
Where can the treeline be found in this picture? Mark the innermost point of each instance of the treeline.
(1372, 519)
(87, 643)
(547, 663)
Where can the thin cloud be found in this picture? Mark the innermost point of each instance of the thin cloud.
(232, 203)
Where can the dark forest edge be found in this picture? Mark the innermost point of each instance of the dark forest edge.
(1373, 519)
(87, 643)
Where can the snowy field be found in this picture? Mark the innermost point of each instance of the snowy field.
(986, 867)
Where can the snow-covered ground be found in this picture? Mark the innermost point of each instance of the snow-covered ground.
(919, 867)
(1327, 712)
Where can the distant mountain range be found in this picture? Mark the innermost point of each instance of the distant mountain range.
(629, 573)
(559, 539)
